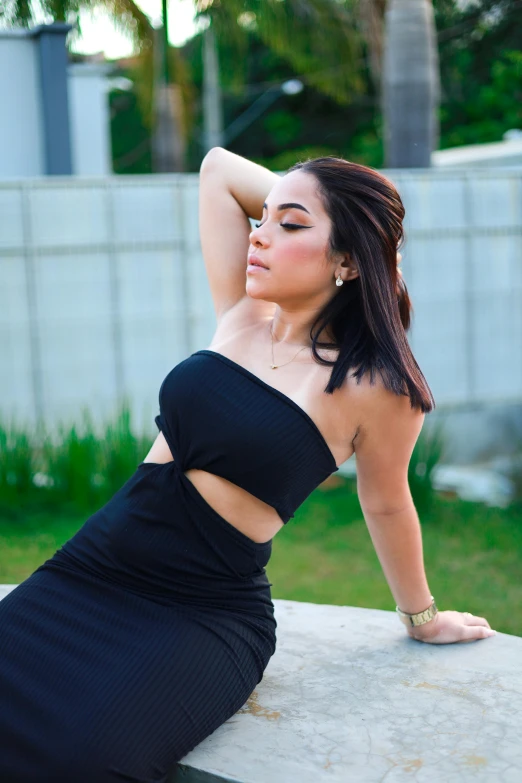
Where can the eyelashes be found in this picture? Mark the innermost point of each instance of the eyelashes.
(290, 226)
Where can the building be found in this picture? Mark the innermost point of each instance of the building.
(54, 114)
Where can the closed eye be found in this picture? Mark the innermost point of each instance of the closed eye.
(291, 226)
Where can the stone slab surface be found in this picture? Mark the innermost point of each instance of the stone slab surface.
(349, 698)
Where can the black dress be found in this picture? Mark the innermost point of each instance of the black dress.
(154, 623)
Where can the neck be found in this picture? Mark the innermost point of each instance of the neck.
(291, 329)
(293, 332)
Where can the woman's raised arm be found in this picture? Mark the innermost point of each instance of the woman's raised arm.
(231, 189)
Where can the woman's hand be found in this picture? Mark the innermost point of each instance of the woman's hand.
(450, 626)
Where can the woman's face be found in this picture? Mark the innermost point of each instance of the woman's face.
(297, 269)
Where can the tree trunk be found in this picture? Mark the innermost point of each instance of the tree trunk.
(212, 107)
(168, 145)
(411, 85)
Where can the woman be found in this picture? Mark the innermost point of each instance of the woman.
(154, 623)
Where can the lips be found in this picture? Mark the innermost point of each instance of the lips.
(255, 261)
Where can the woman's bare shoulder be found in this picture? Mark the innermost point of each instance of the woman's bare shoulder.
(383, 414)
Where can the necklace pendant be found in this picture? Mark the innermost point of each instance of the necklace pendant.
(274, 366)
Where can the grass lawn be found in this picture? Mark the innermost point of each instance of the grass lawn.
(473, 554)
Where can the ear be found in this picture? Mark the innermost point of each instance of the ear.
(347, 268)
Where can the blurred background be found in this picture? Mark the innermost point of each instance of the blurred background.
(108, 109)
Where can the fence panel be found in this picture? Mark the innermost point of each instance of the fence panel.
(103, 289)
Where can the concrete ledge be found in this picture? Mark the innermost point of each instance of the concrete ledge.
(348, 697)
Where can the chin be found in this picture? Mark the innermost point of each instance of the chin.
(255, 291)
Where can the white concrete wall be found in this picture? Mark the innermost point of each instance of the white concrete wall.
(21, 141)
(463, 267)
(90, 119)
(103, 289)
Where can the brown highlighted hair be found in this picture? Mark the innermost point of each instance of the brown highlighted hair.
(369, 315)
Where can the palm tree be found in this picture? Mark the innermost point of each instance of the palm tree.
(411, 86)
(323, 40)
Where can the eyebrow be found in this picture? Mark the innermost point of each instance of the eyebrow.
(288, 205)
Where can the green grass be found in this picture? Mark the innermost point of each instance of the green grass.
(473, 554)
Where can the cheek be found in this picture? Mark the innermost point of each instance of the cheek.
(303, 252)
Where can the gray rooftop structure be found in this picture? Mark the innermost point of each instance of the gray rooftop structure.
(55, 115)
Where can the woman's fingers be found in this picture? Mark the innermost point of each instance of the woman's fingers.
(474, 627)
(471, 619)
(471, 632)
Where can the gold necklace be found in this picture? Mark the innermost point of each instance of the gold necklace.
(274, 366)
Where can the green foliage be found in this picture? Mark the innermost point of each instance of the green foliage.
(77, 471)
(493, 109)
(294, 126)
(284, 126)
(16, 466)
(131, 140)
(479, 53)
(316, 38)
(514, 472)
(427, 454)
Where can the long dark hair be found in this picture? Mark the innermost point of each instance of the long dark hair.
(369, 315)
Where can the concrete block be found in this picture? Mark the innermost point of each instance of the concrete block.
(348, 696)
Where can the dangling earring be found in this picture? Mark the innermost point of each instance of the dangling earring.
(339, 281)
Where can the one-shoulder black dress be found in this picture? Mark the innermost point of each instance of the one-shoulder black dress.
(153, 624)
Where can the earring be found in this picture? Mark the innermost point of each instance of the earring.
(339, 281)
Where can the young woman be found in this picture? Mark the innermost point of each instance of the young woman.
(153, 624)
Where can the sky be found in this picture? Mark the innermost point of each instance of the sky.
(100, 36)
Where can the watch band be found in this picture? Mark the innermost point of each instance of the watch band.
(419, 618)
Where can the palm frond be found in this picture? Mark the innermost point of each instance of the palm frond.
(129, 19)
(16, 13)
(371, 18)
(319, 38)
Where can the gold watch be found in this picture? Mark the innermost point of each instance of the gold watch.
(419, 618)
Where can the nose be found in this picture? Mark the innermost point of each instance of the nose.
(256, 237)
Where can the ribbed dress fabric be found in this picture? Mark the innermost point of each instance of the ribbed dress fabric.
(154, 623)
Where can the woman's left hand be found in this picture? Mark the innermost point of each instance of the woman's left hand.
(449, 626)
